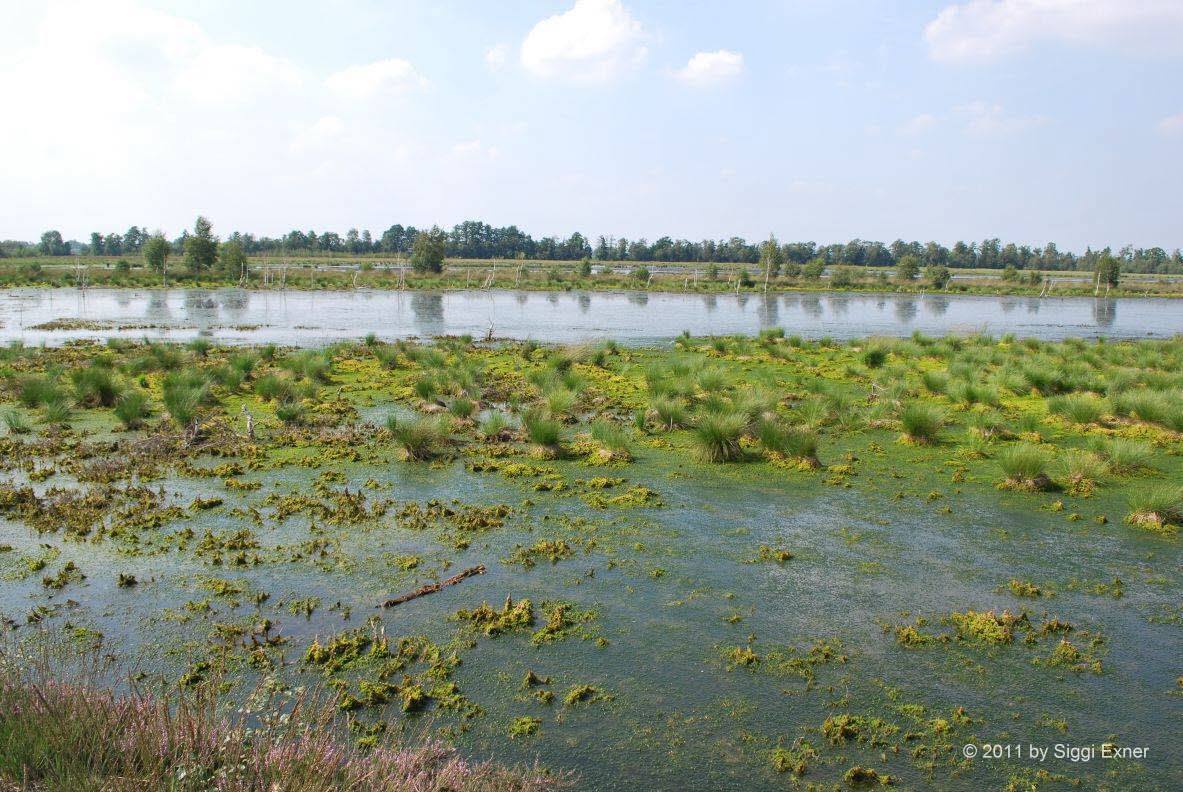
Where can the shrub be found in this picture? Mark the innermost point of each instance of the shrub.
(132, 409)
(922, 422)
(418, 438)
(716, 437)
(1080, 408)
(874, 357)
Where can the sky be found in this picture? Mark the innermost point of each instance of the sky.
(824, 120)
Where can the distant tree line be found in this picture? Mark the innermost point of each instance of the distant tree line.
(478, 240)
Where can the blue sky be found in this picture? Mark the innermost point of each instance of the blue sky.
(1030, 120)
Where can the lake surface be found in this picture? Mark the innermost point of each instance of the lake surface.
(309, 318)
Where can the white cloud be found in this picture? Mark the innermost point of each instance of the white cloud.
(712, 68)
(234, 74)
(984, 30)
(918, 125)
(1171, 126)
(324, 131)
(475, 148)
(496, 56)
(984, 119)
(595, 40)
(384, 77)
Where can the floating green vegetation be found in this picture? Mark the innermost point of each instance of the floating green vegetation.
(544, 550)
(492, 622)
(524, 726)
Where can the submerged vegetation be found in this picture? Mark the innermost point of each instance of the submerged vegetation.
(411, 528)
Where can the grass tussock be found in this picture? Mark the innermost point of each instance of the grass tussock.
(716, 437)
(1025, 467)
(922, 422)
(1158, 508)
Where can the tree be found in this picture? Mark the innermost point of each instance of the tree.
(771, 258)
(1107, 270)
(814, 268)
(233, 260)
(908, 268)
(52, 244)
(427, 252)
(96, 243)
(201, 248)
(585, 267)
(156, 251)
(938, 275)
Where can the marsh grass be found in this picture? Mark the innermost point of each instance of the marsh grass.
(94, 386)
(1123, 456)
(612, 439)
(35, 390)
(790, 442)
(15, 421)
(922, 422)
(183, 394)
(493, 426)
(1079, 408)
(1158, 507)
(1080, 470)
(670, 413)
(716, 437)
(133, 409)
(462, 407)
(1164, 408)
(544, 431)
(58, 412)
(419, 438)
(1025, 466)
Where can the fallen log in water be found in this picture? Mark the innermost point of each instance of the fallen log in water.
(431, 588)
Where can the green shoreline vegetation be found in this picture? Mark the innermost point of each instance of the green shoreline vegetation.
(475, 255)
(242, 462)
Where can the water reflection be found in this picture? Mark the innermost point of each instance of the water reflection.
(906, 310)
(428, 310)
(769, 311)
(310, 318)
(1104, 312)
